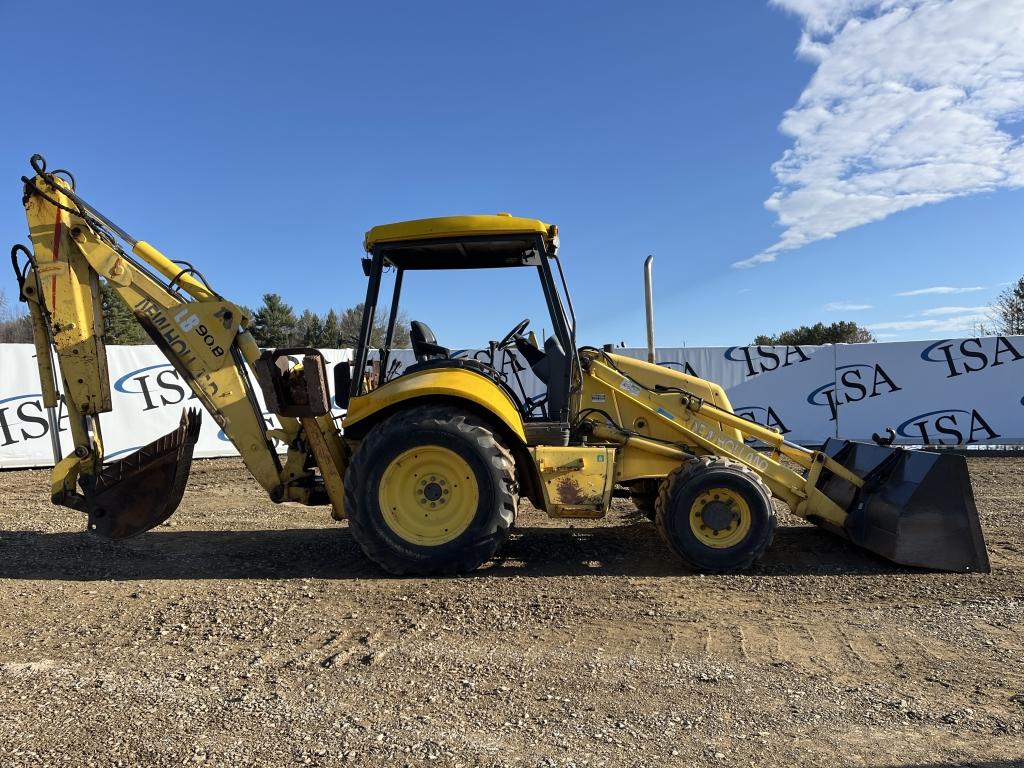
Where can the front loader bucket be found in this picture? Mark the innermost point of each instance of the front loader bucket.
(142, 490)
(916, 507)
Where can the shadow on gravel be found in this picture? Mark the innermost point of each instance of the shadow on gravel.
(628, 550)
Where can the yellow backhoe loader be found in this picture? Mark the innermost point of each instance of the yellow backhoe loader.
(429, 462)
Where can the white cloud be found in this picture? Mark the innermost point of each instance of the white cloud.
(937, 320)
(940, 289)
(938, 311)
(845, 306)
(825, 16)
(966, 322)
(910, 104)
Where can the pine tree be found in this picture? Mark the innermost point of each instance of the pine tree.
(310, 330)
(119, 323)
(331, 331)
(274, 323)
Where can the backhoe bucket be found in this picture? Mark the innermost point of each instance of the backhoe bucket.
(142, 490)
(916, 507)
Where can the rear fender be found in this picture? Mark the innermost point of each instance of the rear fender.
(449, 384)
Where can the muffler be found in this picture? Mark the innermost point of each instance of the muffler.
(142, 490)
(916, 507)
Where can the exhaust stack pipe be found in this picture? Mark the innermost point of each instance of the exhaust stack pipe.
(649, 305)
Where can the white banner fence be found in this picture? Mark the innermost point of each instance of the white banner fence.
(951, 392)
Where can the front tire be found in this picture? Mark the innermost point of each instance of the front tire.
(716, 514)
(431, 491)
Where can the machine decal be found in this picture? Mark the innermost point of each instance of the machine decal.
(740, 450)
(631, 387)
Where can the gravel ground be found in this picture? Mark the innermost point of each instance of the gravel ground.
(244, 633)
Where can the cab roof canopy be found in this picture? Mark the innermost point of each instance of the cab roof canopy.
(462, 242)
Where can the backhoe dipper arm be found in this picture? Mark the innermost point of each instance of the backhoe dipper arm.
(202, 334)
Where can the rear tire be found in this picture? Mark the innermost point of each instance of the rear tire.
(431, 491)
(716, 514)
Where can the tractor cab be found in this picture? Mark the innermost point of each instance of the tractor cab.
(491, 242)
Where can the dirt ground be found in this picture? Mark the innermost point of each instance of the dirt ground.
(245, 633)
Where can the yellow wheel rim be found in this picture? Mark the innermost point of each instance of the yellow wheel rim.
(428, 495)
(720, 518)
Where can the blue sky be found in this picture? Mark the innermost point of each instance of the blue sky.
(261, 144)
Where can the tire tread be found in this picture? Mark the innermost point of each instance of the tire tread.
(699, 465)
(491, 447)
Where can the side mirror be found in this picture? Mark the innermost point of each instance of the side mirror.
(342, 384)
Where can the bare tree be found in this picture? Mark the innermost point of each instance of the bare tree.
(1007, 312)
(15, 327)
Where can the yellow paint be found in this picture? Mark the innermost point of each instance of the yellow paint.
(197, 337)
(70, 296)
(331, 457)
(694, 418)
(456, 226)
(428, 495)
(207, 342)
(720, 500)
(577, 480)
(457, 383)
(626, 395)
(172, 271)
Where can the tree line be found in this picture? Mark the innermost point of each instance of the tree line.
(841, 332)
(276, 324)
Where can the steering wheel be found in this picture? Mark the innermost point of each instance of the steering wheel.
(511, 335)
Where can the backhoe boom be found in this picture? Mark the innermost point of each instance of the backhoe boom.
(203, 335)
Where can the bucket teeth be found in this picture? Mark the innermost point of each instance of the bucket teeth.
(142, 490)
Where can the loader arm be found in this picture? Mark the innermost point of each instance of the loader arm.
(204, 337)
(912, 507)
(684, 417)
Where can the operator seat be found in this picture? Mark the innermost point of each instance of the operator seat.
(431, 355)
(424, 343)
(552, 368)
